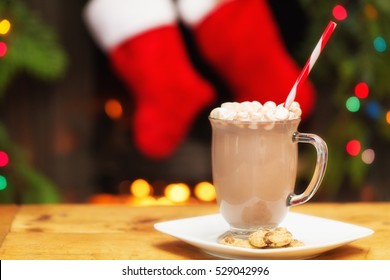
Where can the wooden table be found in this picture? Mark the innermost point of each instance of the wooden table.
(126, 232)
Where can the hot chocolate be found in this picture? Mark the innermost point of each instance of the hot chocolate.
(254, 161)
(254, 171)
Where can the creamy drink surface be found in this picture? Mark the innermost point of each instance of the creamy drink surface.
(254, 162)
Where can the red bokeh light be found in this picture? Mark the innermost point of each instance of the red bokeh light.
(3, 159)
(339, 12)
(353, 147)
(361, 90)
(3, 49)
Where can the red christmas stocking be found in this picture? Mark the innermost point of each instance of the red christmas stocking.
(240, 39)
(144, 44)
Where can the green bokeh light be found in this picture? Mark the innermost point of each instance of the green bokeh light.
(353, 104)
(3, 182)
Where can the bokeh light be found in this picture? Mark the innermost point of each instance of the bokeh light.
(143, 201)
(370, 11)
(368, 156)
(3, 182)
(4, 159)
(361, 90)
(388, 117)
(339, 12)
(352, 104)
(205, 191)
(353, 147)
(113, 109)
(164, 201)
(380, 44)
(3, 49)
(140, 188)
(103, 198)
(373, 109)
(5, 26)
(179, 192)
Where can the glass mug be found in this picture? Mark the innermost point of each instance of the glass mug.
(254, 167)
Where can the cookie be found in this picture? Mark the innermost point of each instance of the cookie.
(257, 238)
(263, 238)
(278, 238)
(295, 243)
(237, 242)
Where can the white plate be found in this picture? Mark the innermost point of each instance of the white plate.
(318, 234)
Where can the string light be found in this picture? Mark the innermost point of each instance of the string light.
(339, 12)
(164, 201)
(140, 188)
(3, 183)
(113, 109)
(103, 198)
(380, 44)
(353, 147)
(352, 104)
(205, 191)
(361, 90)
(373, 109)
(177, 192)
(5, 26)
(3, 159)
(370, 11)
(144, 201)
(3, 49)
(368, 156)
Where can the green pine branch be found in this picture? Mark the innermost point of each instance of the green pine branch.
(33, 46)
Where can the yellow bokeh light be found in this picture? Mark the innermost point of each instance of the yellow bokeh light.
(5, 26)
(144, 201)
(113, 109)
(164, 201)
(205, 191)
(177, 192)
(388, 117)
(140, 188)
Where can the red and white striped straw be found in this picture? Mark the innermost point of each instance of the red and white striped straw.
(310, 62)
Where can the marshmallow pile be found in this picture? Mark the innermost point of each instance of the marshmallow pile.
(256, 112)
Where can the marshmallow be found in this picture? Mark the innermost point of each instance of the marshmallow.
(281, 113)
(270, 105)
(256, 112)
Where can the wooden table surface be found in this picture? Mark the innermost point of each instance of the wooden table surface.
(108, 232)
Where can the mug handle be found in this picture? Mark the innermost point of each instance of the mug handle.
(319, 172)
